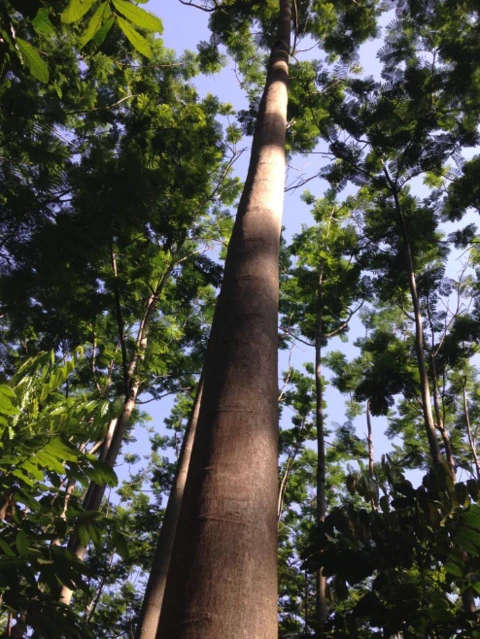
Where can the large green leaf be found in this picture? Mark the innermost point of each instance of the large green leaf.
(30, 56)
(121, 544)
(22, 542)
(135, 39)
(41, 22)
(99, 38)
(7, 390)
(101, 473)
(6, 548)
(453, 569)
(138, 16)
(95, 23)
(75, 10)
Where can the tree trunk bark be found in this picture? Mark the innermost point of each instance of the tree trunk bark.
(95, 492)
(371, 458)
(152, 602)
(222, 580)
(440, 423)
(471, 440)
(419, 338)
(422, 368)
(321, 602)
(116, 431)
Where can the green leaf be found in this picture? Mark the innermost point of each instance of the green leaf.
(49, 462)
(470, 534)
(76, 10)
(18, 473)
(83, 534)
(7, 390)
(472, 517)
(30, 56)
(41, 22)
(453, 569)
(33, 470)
(22, 542)
(60, 450)
(120, 544)
(101, 473)
(95, 23)
(7, 549)
(135, 39)
(465, 544)
(6, 406)
(99, 38)
(138, 16)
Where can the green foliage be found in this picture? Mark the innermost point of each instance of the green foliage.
(31, 58)
(26, 27)
(416, 589)
(41, 435)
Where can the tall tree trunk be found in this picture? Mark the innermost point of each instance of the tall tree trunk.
(222, 580)
(468, 596)
(419, 337)
(153, 599)
(419, 341)
(440, 423)
(371, 458)
(471, 439)
(288, 468)
(117, 428)
(321, 601)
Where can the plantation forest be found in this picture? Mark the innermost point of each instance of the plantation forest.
(218, 421)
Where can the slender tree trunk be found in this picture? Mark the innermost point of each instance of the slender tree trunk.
(152, 602)
(288, 469)
(471, 440)
(117, 428)
(468, 596)
(440, 423)
(419, 337)
(321, 601)
(422, 368)
(95, 492)
(371, 458)
(305, 621)
(222, 580)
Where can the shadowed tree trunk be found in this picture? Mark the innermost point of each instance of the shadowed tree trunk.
(112, 443)
(152, 602)
(371, 458)
(438, 415)
(471, 440)
(222, 580)
(419, 336)
(321, 601)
